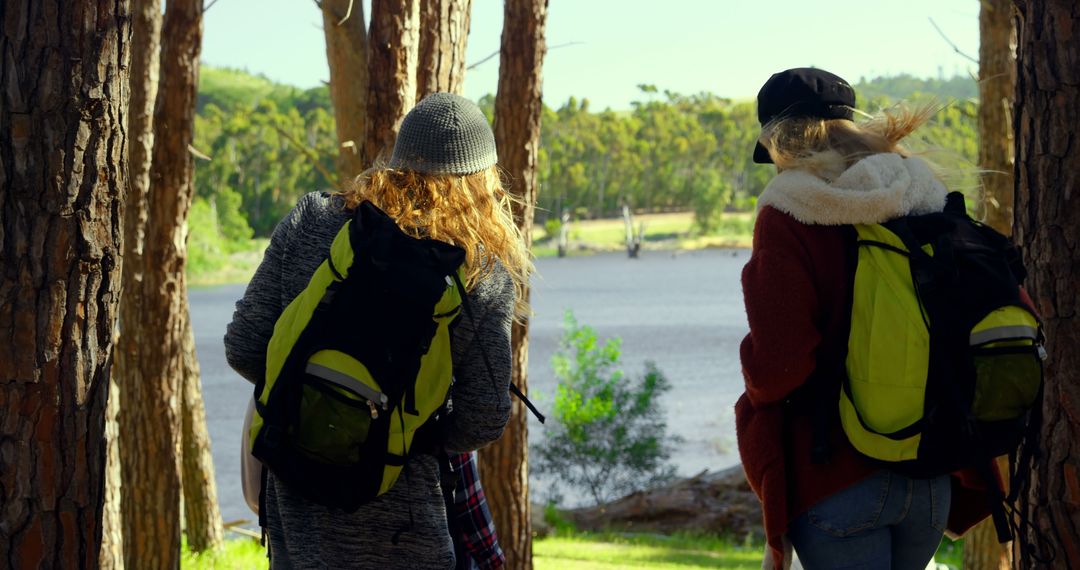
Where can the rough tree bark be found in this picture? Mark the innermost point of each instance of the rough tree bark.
(444, 30)
(1048, 226)
(346, 52)
(150, 420)
(393, 50)
(63, 172)
(997, 81)
(143, 81)
(202, 515)
(504, 465)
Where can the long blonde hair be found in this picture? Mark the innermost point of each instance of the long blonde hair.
(827, 147)
(473, 212)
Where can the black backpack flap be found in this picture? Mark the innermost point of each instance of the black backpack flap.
(382, 312)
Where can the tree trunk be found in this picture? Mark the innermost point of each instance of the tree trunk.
(505, 464)
(112, 535)
(346, 52)
(143, 81)
(444, 30)
(393, 50)
(150, 419)
(1048, 226)
(202, 516)
(997, 81)
(63, 172)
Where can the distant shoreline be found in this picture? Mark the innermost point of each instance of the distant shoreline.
(663, 232)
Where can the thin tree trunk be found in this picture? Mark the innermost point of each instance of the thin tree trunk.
(143, 81)
(151, 416)
(1048, 226)
(997, 81)
(393, 50)
(505, 464)
(112, 536)
(63, 172)
(346, 52)
(202, 516)
(444, 30)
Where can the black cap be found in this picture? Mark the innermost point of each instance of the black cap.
(802, 92)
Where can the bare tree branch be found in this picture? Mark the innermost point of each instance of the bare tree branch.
(493, 54)
(348, 13)
(496, 52)
(197, 153)
(311, 154)
(950, 42)
(208, 6)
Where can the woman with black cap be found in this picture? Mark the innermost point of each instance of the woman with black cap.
(440, 183)
(837, 508)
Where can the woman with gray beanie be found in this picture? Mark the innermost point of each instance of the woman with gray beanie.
(440, 183)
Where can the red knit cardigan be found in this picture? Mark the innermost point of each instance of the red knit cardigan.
(797, 290)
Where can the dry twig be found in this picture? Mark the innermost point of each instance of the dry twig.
(950, 42)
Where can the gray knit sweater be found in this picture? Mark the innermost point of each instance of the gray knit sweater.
(306, 535)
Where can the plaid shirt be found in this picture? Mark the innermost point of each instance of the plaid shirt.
(471, 517)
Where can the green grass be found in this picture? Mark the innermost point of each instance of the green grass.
(572, 550)
(238, 268)
(662, 231)
(243, 553)
(588, 551)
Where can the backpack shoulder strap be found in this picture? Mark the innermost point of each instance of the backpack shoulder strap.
(483, 353)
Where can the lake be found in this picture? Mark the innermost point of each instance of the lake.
(681, 310)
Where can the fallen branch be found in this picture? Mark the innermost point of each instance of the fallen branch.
(235, 526)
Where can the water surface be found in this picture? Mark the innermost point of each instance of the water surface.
(681, 310)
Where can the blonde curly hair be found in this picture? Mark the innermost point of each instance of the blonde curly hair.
(472, 211)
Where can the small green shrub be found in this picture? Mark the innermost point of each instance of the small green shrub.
(608, 433)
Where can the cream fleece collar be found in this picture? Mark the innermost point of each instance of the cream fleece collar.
(876, 189)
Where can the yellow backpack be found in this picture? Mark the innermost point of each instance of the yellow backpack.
(944, 360)
(359, 361)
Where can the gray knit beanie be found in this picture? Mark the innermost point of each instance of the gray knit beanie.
(444, 134)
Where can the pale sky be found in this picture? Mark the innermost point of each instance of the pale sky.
(728, 47)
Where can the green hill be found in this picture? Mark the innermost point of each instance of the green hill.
(904, 86)
(230, 89)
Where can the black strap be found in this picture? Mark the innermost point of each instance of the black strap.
(392, 459)
(263, 474)
(448, 480)
(883, 245)
(330, 264)
(483, 353)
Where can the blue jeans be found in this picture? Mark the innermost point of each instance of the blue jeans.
(887, 521)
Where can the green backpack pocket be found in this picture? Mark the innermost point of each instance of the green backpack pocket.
(338, 402)
(1008, 365)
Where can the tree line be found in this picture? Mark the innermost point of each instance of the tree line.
(263, 145)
